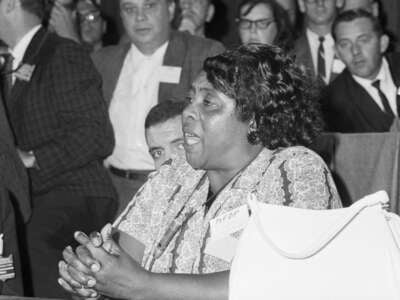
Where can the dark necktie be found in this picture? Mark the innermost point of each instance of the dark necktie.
(321, 58)
(6, 76)
(376, 84)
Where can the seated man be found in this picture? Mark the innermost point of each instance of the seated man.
(314, 48)
(163, 129)
(364, 98)
(91, 24)
(195, 15)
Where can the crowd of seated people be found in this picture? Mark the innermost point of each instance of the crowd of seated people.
(161, 120)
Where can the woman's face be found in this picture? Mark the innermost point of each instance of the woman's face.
(213, 134)
(258, 25)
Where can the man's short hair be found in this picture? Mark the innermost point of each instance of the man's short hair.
(354, 14)
(163, 111)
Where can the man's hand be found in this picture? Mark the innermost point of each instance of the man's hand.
(63, 23)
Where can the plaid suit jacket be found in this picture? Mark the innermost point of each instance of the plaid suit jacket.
(184, 50)
(60, 115)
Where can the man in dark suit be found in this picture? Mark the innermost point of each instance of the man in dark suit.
(62, 133)
(365, 97)
(157, 64)
(14, 203)
(314, 49)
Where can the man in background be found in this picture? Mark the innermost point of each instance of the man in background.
(366, 96)
(314, 49)
(15, 206)
(157, 63)
(92, 25)
(164, 134)
(195, 14)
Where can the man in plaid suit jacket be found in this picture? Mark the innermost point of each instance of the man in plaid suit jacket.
(63, 133)
(14, 202)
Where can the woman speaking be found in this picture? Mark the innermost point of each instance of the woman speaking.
(248, 118)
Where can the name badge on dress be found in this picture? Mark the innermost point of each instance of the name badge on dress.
(221, 243)
(170, 74)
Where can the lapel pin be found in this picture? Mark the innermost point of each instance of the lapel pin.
(25, 72)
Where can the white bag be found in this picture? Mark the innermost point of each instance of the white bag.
(289, 253)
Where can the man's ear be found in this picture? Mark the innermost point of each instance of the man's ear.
(384, 42)
(210, 12)
(171, 10)
(302, 6)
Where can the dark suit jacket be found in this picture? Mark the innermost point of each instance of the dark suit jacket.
(348, 107)
(184, 50)
(14, 199)
(303, 57)
(60, 115)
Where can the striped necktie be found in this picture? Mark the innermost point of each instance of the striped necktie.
(6, 75)
(377, 84)
(321, 58)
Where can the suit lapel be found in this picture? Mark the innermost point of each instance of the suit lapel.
(174, 58)
(32, 56)
(370, 111)
(303, 54)
(111, 77)
(394, 66)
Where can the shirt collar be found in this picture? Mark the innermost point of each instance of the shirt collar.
(158, 53)
(315, 37)
(19, 50)
(382, 75)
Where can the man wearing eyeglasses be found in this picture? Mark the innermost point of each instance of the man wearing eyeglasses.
(91, 24)
(157, 63)
(314, 49)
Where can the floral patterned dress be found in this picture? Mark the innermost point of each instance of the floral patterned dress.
(170, 210)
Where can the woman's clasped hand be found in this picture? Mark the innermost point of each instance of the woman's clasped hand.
(100, 267)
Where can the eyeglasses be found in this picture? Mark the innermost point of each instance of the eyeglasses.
(260, 23)
(89, 17)
(314, 1)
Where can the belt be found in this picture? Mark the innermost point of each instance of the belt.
(130, 174)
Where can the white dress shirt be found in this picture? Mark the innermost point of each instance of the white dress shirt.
(387, 87)
(135, 94)
(19, 50)
(329, 51)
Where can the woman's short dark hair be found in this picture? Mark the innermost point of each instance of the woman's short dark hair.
(270, 89)
(284, 37)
